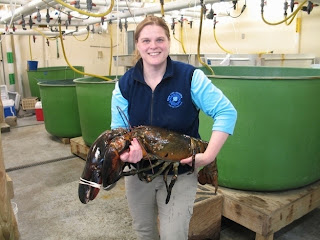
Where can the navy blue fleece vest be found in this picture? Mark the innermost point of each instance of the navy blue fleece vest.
(170, 106)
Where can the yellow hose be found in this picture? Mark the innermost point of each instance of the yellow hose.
(87, 13)
(181, 37)
(111, 48)
(42, 34)
(198, 47)
(82, 40)
(215, 38)
(162, 7)
(74, 69)
(292, 15)
(179, 42)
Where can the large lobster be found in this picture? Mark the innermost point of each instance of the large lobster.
(162, 151)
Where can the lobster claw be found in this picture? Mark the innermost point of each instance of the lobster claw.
(209, 174)
(87, 190)
(111, 169)
(90, 180)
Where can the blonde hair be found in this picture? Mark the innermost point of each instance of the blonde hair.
(149, 20)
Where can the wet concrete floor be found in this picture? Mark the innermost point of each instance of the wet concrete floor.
(45, 176)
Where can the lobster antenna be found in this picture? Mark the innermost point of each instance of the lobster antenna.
(124, 118)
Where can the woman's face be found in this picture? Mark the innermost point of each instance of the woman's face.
(153, 45)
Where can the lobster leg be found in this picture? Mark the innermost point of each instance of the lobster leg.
(165, 175)
(165, 165)
(173, 181)
(141, 170)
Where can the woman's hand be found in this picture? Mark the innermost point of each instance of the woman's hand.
(133, 154)
(216, 142)
(200, 160)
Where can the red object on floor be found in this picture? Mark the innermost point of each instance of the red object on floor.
(39, 112)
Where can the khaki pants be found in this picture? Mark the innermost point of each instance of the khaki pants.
(147, 202)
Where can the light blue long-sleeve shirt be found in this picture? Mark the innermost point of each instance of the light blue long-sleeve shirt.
(205, 96)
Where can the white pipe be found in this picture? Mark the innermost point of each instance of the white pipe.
(25, 10)
(19, 67)
(30, 32)
(19, 2)
(96, 2)
(46, 33)
(108, 2)
(151, 10)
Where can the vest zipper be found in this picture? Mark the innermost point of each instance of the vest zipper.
(151, 110)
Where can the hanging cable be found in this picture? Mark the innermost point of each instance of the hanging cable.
(199, 39)
(74, 69)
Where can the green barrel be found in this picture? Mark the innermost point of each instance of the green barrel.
(50, 73)
(94, 102)
(276, 142)
(60, 108)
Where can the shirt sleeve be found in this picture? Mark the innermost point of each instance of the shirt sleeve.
(210, 99)
(118, 101)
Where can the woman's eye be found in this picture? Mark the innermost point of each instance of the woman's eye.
(145, 41)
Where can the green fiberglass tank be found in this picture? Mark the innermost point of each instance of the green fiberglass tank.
(60, 108)
(276, 142)
(50, 73)
(94, 102)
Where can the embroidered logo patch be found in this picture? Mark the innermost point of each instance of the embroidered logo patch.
(175, 99)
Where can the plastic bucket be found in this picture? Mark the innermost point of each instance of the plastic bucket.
(60, 108)
(51, 73)
(32, 65)
(94, 102)
(275, 145)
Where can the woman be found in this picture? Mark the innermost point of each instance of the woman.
(160, 92)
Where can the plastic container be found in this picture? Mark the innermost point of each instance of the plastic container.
(94, 102)
(32, 65)
(8, 108)
(51, 73)
(60, 108)
(275, 145)
(38, 111)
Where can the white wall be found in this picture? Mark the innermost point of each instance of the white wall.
(246, 34)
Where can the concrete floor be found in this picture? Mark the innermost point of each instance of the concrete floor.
(45, 176)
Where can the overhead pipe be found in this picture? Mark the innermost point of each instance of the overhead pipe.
(19, 2)
(27, 9)
(134, 12)
(171, 6)
(32, 32)
(108, 2)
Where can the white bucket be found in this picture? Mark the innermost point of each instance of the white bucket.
(15, 210)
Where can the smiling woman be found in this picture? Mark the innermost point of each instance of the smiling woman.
(160, 92)
(153, 46)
